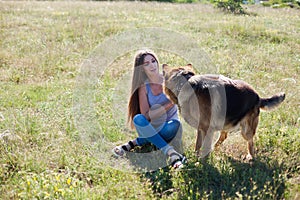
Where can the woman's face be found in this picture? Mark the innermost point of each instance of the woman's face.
(150, 65)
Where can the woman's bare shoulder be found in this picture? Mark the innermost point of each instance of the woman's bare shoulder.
(142, 89)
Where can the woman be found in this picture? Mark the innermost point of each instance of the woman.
(153, 115)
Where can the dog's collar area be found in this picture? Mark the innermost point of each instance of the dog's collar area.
(186, 74)
(179, 87)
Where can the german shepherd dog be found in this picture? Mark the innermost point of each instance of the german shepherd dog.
(213, 103)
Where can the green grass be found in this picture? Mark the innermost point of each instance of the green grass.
(44, 48)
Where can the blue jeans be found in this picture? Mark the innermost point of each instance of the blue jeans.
(160, 136)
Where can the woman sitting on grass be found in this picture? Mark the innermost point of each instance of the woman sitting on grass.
(152, 114)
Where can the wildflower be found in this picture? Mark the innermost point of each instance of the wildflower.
(69, 181)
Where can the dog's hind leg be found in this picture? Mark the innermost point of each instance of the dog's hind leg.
(223, 137)
(248, 129)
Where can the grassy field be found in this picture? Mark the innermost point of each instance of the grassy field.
(63, 106)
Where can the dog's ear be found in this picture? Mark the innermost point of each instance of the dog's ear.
(190, 67)
(165, 66)
(165, 69)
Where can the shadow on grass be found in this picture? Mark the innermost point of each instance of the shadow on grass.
(223, 179)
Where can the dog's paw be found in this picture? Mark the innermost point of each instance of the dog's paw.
(248, 158)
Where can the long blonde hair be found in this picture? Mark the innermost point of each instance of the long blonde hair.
(138, 79)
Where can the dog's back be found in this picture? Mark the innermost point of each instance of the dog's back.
(237, 97)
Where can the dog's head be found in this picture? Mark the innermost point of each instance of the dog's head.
(175, 78)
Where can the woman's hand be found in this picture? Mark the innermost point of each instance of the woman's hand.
(159, 111)
(168, 105)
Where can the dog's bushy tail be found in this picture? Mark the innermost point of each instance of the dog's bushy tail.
(272, 102)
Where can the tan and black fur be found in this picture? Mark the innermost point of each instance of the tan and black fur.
(213, 103)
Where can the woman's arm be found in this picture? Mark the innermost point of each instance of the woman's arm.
(155, 113)
(143, 101)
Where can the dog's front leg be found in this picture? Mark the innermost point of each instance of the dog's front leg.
(199, 140)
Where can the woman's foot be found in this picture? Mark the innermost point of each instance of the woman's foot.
(119, 151)
(177, 160)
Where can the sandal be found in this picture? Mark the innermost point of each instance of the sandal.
(177, 160)
(120, 151)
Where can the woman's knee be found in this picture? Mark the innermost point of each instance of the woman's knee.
(174, 125)
(140, 120)
(170, 130)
